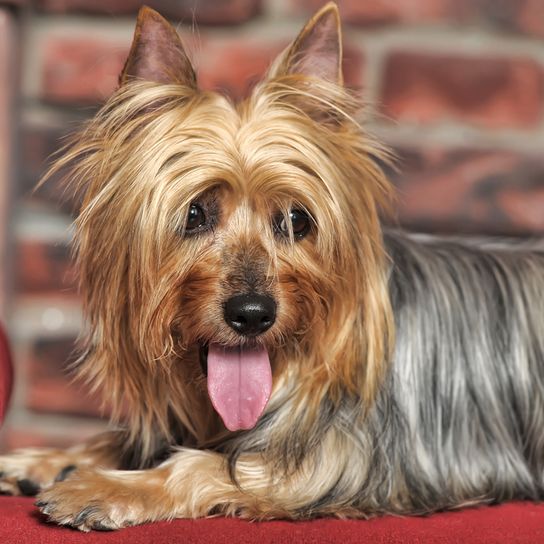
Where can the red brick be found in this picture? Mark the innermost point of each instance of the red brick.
(38, 144)
(524, 207)
(35, 436)
(81, 70)
(234, 67)
(8, 75)
(49, 389)
(84, 71)
(489, 92)
(471, 192)
(380, 12)
(530, 17)
(212, 12)
(14, 438)
(519, 16)
(44, 268)
(353, 66)
(516, 16)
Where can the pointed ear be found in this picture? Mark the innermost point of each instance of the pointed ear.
(157, 53)
(317, 50)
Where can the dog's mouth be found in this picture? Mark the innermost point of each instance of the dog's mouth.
(239, 382)
(203, 358)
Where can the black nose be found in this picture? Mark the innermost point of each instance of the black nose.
(250, 314)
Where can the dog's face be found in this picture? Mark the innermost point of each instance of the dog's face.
(236, 244)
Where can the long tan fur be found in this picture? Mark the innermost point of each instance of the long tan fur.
(151, 294)
(151, 151)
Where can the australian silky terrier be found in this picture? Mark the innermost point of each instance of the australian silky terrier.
(270, 351)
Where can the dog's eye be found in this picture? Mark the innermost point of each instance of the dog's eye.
(196, 218)
(300, 223)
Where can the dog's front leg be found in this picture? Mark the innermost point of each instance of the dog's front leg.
(27, 471)
(190, 484)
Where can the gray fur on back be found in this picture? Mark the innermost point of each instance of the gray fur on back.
(459, 419)
(464, 404)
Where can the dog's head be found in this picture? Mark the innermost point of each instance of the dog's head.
(233, 245)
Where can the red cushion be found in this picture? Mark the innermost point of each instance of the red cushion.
(6, 374)
(21, 523)
(514, 522)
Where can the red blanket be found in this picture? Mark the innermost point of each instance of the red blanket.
(509, 523)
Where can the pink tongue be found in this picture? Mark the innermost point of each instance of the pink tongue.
(239, 384)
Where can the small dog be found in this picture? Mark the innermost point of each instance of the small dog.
(276, 353)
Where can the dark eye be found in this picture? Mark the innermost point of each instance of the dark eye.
(196, 219)
(300, 223)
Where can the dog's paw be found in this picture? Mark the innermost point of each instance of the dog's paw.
(26, 472)
(99, 500)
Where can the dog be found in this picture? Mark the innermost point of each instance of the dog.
(271, 349)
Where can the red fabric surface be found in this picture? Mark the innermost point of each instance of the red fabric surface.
(6, 374)
(508, 523)
(21, 523)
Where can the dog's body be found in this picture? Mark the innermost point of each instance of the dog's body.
(464, 412)
(236, 278)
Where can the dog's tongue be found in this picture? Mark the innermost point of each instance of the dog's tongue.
(239, 384)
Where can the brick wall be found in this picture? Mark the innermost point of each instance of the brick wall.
(8, 75)
(456, 87)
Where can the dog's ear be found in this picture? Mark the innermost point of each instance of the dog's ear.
(317, 50)
(157, 53)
